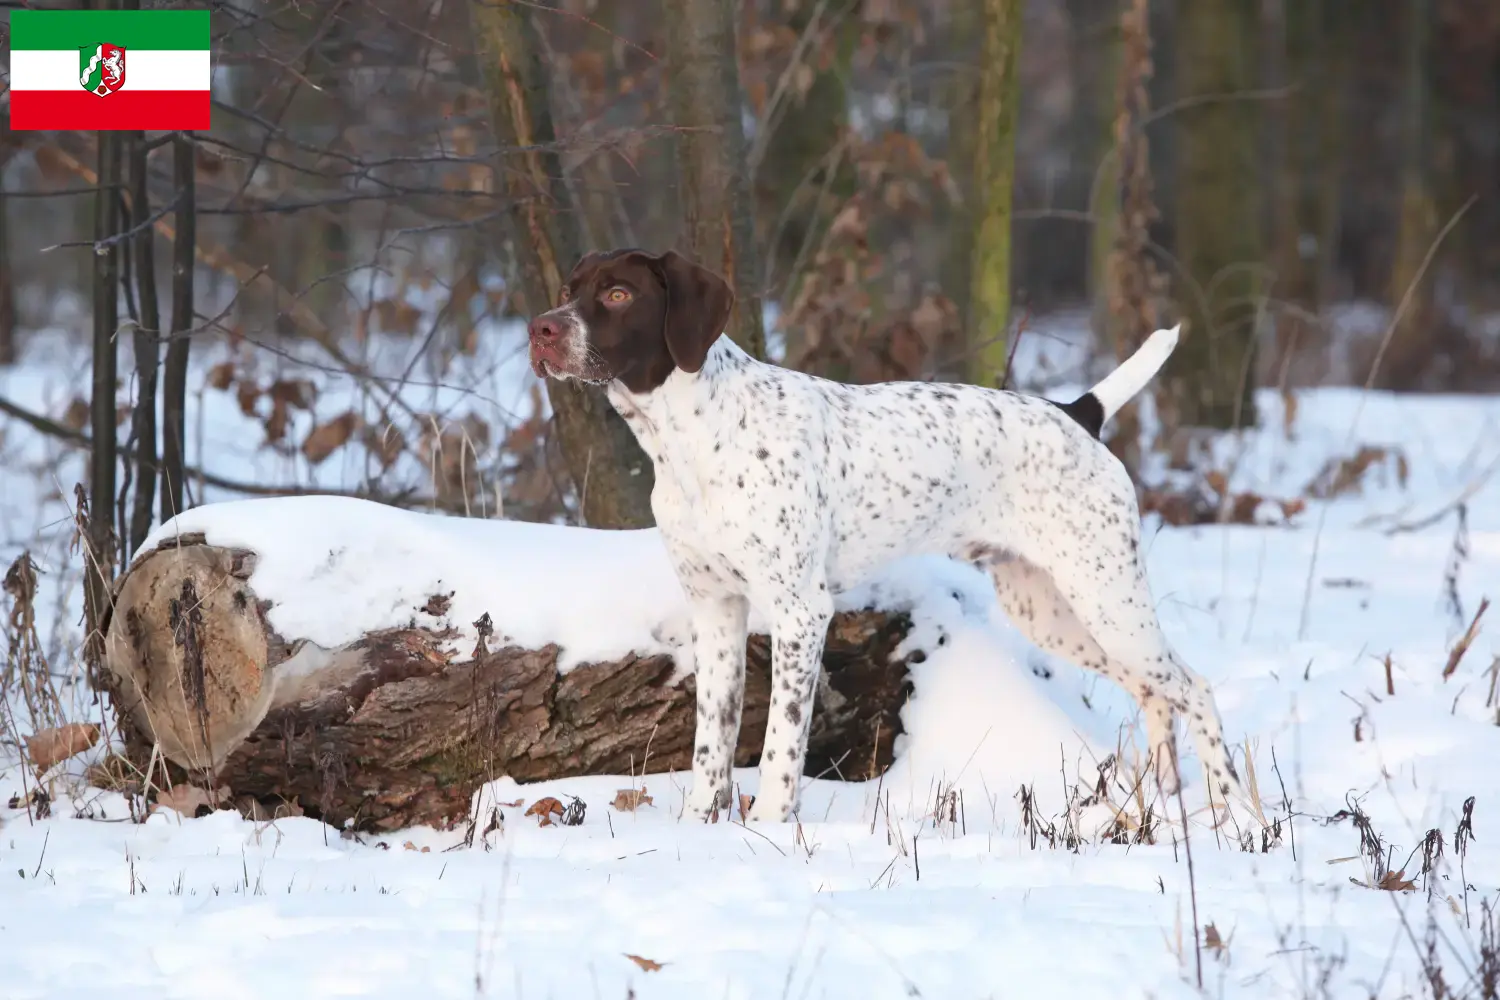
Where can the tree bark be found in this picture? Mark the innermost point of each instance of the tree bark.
(100, 550)
(1133, 287)
(704, 95)
(1411, 350)
(147, 351)
(9, 349)
(994, 182)
(1307, 191)
(611, 473)
(393, 730)
(174, 371)
(1209, 378)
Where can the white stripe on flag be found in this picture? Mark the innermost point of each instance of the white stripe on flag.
(145, 69)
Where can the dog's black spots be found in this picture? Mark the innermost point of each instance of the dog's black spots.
(1087, 411)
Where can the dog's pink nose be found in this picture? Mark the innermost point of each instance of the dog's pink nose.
(544, 329)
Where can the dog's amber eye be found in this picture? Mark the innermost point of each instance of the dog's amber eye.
(564, 295)
(617, 295)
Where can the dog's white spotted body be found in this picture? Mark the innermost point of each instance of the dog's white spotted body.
(779, 490)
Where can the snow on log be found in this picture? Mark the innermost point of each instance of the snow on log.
(378, 665)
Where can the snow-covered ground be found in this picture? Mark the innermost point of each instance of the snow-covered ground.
(875, 893)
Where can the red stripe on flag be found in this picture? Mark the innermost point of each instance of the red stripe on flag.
(160, 110)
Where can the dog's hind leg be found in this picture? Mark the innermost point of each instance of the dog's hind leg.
(1110, 627)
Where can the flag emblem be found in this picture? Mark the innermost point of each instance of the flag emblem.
(68, 69)
(101, 68)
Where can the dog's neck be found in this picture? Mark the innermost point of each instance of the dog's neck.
(662, 417)
(684, 390)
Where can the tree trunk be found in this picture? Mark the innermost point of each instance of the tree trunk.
(1308, 179)
(393, 730)
(174, 371)
(611, 473)
(994, 166)
(1209, 378)
(1411, 350)
(100, 550)
(1102, 55)
(9, 349)
(1133, 287)
(147, 353)
(704, 95)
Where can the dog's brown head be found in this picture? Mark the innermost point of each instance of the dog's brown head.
(632, 316)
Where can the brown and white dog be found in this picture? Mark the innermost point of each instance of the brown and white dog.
(779, 490)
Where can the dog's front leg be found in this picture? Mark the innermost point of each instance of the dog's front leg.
(719, 634)
(799, 628)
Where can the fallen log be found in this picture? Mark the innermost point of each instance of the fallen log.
(389, 716)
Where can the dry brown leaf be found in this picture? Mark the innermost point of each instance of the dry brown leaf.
(221, 376)
(1212, 940)
(77, 414)
(327, 438)
(188, 799)
(1396, 882)
(51, 746)
(746, 801)
(276, 423)
(544, 810)
(631, 799)
(408, 846)
(298, 393)
(513, 805)
(248, 395)
(646, 964)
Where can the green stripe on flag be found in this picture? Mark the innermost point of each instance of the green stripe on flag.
(129, 29)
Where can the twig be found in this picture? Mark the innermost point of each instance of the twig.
(81, 440)
(1187, 849)
(1465, 641)
(1385, 342)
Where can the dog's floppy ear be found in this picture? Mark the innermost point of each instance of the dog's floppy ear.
(698, 307)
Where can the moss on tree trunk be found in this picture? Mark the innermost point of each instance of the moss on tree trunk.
(1209, 378)
(996, 111)
(1410, 354)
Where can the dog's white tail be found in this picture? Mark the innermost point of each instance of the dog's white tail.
(1120, 386)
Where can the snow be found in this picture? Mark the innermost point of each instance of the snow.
(875, 893)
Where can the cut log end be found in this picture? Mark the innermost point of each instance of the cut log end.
(394, 730)
(188, 652)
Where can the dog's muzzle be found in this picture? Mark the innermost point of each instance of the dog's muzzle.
(548, 336)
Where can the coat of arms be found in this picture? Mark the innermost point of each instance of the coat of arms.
(101, 68)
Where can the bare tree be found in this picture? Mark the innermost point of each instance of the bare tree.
(611, 473)
(8, 346)
(705, 100)
(1218, 218)
(994, 165)
(147, 354)
(99, 572)
(174, 371)
(1133, 286)
(1410, 351)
